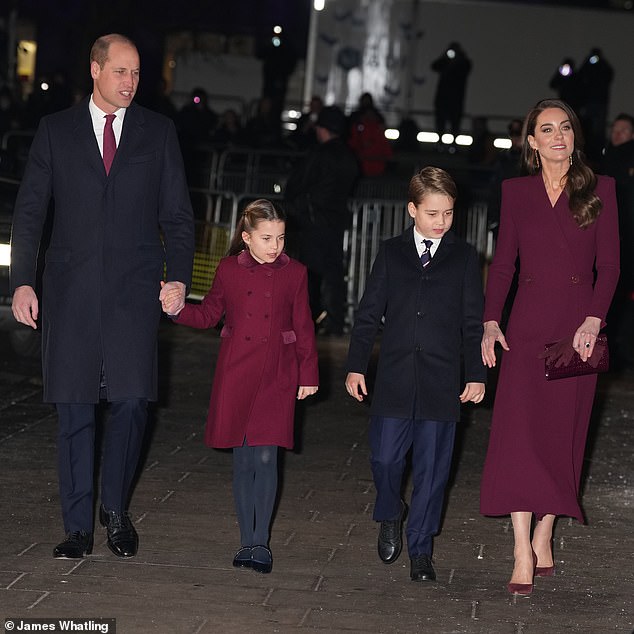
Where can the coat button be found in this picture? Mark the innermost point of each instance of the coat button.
(419, 314)
(267, 294)
(269, 274)
(249, 292)
(266, 316)
(265, 339)
(575, 279)
(418, 348)
(248, 338)
(248, 314)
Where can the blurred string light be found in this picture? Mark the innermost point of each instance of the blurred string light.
(464, 139)
(427, 137)
(565, 70)
(319, 5)
(392, 134)
(5, 254)
(502, 143)
(44, 86)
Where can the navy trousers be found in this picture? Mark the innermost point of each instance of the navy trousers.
(431, 443)
(123, 437)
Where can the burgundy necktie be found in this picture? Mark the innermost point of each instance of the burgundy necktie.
(109, 143)
(425, 256)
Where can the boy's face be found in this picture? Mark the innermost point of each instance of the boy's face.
(433, 215)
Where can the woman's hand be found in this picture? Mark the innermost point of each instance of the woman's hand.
(586, 336)
(306, 390)
(492, 333)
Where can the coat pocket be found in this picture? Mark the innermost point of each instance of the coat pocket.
(288, 336)
(287, 369)
(58, 254)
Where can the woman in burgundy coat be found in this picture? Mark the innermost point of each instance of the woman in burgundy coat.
(267, 350)
(561, 220)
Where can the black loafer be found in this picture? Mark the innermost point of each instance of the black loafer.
(261, 559)
(242, 558)
(76, 545)
(123, 540)
(422, 569)
(390, 542)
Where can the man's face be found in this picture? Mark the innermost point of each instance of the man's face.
(622, 132)
(115, 85)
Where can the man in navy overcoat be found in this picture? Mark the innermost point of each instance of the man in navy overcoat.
(115, 224)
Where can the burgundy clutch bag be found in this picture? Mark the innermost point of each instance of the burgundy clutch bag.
(562, 361)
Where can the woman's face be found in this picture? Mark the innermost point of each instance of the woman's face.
(554, 138)
(266, 241)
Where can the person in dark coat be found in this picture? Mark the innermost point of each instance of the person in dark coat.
(561, 221)
(453, 68)
(267, 360)
(101, 283)
(317, 199)
(426, 286)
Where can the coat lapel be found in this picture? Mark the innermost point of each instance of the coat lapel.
(131, 135)
(85, 135)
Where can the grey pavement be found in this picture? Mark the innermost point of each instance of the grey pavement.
(326, 576)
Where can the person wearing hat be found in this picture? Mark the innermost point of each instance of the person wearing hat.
(317, 203)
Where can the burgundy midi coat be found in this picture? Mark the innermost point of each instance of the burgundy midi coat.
(566, 273)
(267, 349)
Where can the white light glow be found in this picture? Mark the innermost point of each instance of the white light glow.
(319, 5)
(447, 138)
(277, 29)
(293, 114)
(502, 144)
(44, 86)
(277, 188)
(289, 125)
(5, 254)
(392, 134)
(427, 137)
(464, 139)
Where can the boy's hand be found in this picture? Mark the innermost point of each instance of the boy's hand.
(491, 334)
(355, 384)
(306, 390)
(473, 392)
(172, 297)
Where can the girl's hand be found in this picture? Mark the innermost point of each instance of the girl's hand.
(586, 336)
(306, 390)
(491, 334)
(473, 392)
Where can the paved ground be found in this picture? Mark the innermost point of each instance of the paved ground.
(326, 574)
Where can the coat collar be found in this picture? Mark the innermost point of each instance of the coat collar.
(246, 259)
(444, 248)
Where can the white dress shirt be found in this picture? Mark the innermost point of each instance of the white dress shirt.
(420, 247)
(99, 123)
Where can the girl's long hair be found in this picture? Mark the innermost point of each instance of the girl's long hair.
(580, 180)
(254, 212)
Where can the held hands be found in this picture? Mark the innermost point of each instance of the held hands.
(355, 385)
(172, 297)
(473, 392)
(492, 333)
(306, 390)
(25, 306)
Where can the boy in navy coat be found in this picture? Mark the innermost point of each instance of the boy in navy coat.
(426, 286)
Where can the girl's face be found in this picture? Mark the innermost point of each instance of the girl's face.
(266, 240)
(554, 138)
(433, 215)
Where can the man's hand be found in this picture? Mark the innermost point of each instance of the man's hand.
(25, 306)
(172, 297)
(355, 384)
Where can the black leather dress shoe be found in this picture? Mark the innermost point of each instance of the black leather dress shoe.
(390, 541)
(261, 559)
(242, 559)
(123, 540)
(421, 569)
(75, 546)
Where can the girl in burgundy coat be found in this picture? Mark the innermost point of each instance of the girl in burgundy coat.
(267, 350)
(561, 221)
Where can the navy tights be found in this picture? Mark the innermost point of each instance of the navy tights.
(254, 491)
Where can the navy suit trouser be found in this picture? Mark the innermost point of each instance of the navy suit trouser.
(431, 443)
(123, 438)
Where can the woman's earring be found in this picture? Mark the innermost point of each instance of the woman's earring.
(537, 163)
(570, 159)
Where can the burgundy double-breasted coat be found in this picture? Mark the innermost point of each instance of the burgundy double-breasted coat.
(267, 349)
(566, 274)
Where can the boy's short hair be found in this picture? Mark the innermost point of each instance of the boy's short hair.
(431, 180)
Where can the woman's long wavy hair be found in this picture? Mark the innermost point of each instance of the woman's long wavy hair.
(580, 181)
(254, 212)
